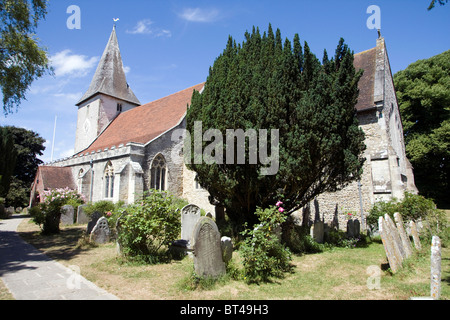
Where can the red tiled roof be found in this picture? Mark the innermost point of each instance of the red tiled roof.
(56, 177)
(366, 60)
(146, 122)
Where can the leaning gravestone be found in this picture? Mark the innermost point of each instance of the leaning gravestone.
(388, 243)
(67, 215)
(415, 235)
(208, 260)
(82, 217)
(100, 234)
(401, 230)
(398, 245)
(91, 224)
(190, 215)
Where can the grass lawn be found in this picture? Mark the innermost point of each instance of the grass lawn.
(338, 274)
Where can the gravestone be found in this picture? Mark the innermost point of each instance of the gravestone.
(67, 215)
(100, 234)
(82, 217)
(436, 267)
(227, 249)
(93, 221)
(190, 215)
(404, 237)
(398, 245)
(317, 230)
(353, 228)
(415, 235)
(388, 244)
(207, 249)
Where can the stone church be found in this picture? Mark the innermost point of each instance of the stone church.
(124, 148)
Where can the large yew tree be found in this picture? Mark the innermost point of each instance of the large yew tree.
(264, 83)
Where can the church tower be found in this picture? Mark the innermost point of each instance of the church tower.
(108, 95)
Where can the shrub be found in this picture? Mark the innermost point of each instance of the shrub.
(49, 215)
(102, 207)
(380, 209)
(264, 256)
(148, 227)
(412, 207)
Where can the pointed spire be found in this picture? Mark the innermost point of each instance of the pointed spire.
(110, 77)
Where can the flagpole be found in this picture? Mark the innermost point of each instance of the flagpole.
(53, 142)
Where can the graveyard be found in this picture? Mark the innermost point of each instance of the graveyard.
(372, 271)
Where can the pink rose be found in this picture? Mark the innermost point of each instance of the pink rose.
(281, 209)
(279, 203)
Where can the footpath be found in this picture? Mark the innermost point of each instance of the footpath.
(31, 275)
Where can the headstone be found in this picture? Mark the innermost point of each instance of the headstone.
(436, 267)
(353, 228)
(100, 234)
(398, 245)
(388, 243)
(190, 215)
(82, 217)
(91, 224)
(317, 230)
(67, 215)
(208, 260)
(404, 237)
(415, 235)
(227, 249)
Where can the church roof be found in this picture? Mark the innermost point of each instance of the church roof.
(366, 60)
(56, 177)
(110, 77)
(144, 123)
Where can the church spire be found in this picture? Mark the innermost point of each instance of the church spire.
(110, 77)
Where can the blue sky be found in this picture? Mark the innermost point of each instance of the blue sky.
(169, 45)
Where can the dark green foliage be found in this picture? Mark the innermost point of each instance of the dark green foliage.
(21, 59)
(8, 157)
(433, 3)
(264, 83)
(423, 92)
(29, 146)
(148, 227)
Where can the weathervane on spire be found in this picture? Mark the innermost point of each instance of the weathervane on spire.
(115, 20)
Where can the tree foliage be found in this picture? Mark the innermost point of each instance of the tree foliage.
(264, 83)
(433, 3)
(22, 60)
(29, 145)
(423, 92)
(8, 156)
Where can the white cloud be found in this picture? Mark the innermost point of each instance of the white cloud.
(145, 27)
(66, 63)
(199, 15)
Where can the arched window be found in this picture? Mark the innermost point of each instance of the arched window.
(109, 180)
(158, 173)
